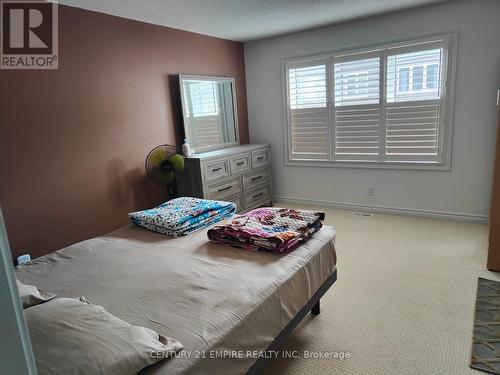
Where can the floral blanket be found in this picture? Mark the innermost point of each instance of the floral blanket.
(279, 230)
(182, 216)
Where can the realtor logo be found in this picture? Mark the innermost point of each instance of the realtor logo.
(29, 37)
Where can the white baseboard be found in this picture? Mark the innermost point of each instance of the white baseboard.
(387, 210)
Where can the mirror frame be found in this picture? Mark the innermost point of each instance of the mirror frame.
(187, 132)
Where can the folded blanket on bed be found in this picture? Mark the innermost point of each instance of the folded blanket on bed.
(182, 216)
(277, 229)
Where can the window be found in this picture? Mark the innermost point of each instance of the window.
(403, 79)
(432, 76)
(385, 105)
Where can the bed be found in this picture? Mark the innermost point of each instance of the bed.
(225, 305)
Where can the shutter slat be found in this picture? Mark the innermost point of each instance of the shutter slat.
(412, 121)
(413, 114)
(365, 121)
(409, 130)
(362, 135)
(372, 81)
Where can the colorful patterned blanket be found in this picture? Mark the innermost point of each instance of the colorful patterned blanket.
(182, 216)
(279, 230)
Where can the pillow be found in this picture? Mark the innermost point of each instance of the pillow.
(31, 295)
(72, 336)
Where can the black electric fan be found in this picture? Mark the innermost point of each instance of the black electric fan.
(162, 164)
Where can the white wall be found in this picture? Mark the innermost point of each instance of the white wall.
(464, 190)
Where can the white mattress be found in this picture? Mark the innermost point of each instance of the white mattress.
(220, 302)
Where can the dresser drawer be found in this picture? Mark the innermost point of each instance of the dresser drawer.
(254, 179)
(216, 169)
(224, 189)
(255, 196)
(239, 163)
(260, 158)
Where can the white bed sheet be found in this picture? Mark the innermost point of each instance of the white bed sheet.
(221, 303)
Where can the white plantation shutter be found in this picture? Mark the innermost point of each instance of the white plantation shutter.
(308, 111)
(357, 107)
(414, 103)
(204, 113)
(413, 131)
(384, 105)
(208, 130)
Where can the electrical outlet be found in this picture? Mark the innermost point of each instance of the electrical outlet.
(22, 259)
(371, 191)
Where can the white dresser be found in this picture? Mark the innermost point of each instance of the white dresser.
(240, 174)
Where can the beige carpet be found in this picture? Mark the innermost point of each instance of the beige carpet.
(404, 299)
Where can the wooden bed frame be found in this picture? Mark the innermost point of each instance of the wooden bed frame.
(313, 306)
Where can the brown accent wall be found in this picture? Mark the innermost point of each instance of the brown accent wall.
(73, 141)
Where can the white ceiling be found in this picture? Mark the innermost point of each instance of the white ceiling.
(243, 20)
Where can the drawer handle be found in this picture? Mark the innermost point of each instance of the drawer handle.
(256, 178)
(257, 195)
(224, 189)
(240, 163)
(260, 158)
(216, 169)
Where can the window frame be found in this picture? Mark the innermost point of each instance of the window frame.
(447, 100)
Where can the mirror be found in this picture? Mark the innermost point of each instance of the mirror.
(209, 111)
